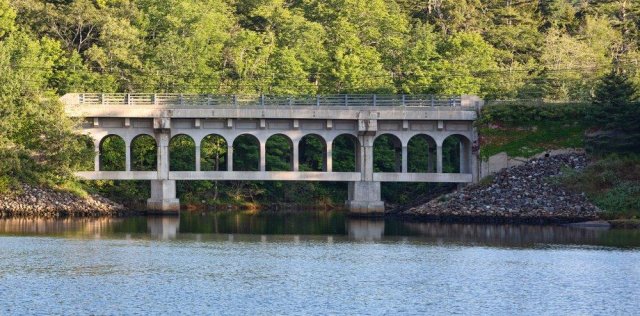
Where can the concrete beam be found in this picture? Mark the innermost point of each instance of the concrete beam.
(301, 112)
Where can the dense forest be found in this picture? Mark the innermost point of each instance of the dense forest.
(499, 49)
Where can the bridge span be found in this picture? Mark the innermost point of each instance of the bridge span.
(360, 118)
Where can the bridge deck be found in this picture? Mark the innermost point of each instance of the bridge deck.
(275, 176)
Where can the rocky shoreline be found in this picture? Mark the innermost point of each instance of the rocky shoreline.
(524, 194)
(33, 201)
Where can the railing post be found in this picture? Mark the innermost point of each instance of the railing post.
(180, 99)
(261, 99)
(154, 99)
(346, 100)
(101, 98)
(235, 100)
(432, 100)
(403, 100)
(317, 100)
(289, 101)
(374, 100)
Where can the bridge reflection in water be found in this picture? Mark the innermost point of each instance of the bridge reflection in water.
(300, 227)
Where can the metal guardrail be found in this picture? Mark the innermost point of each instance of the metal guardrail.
(209, 100)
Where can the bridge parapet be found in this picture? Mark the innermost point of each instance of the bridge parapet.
(173, 100)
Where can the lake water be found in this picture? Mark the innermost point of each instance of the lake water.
(312, 263)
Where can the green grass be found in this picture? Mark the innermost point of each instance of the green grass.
(612, 183)
(532, 139)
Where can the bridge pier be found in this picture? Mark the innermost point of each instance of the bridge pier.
(163, 197)
(364, 198)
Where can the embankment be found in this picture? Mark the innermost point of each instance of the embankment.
(34, 201)
(528, 193)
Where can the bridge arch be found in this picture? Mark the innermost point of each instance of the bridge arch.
(112, 150)
(421, 154)
(246, 153)
(214, 153)
(279, 153)
(387, 153)
(456, 154)
(182, 153)
(312, 149)
(345, 153)
(144, 153)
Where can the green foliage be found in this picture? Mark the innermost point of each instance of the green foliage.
(612, 183)
(112, 154)
(548, 50)
(532, 139)
(344, 153)
(246, 153)
(615, 105)
(528, 112)
(279, 153)
(312, 149)
(213, 154)
(182, 153)
(387, 154)
(144, 153)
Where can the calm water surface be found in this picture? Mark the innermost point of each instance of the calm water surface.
(312, 263)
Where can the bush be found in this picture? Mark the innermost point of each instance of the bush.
(528, 112)
(611, 183)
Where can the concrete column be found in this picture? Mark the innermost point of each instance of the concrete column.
(263, 156)
(366, 157)
(328, 161)
(364, 198)
(96, 159)
(405, 159)
(197, 158)
(439, 159)
(465, 157)
(229, 157)
(163, 191)
(162, 138)
(295, 159)
(163, 196)
(127, 158)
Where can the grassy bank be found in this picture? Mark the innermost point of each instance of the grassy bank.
(526, 128)
(612, 183)
(530, 139)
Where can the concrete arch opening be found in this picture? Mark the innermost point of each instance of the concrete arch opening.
(312, 153)
(456, 154)
(213, 153)
(279, 153)
(182, 153)
(246, 153)
(387, 154)
(345, 153)
(90, 155)
(421, 154)
(144, 153)
(113, 153)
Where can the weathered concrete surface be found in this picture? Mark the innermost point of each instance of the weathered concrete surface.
(163, 196)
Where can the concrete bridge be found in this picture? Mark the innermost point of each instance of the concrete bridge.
(360, 118)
